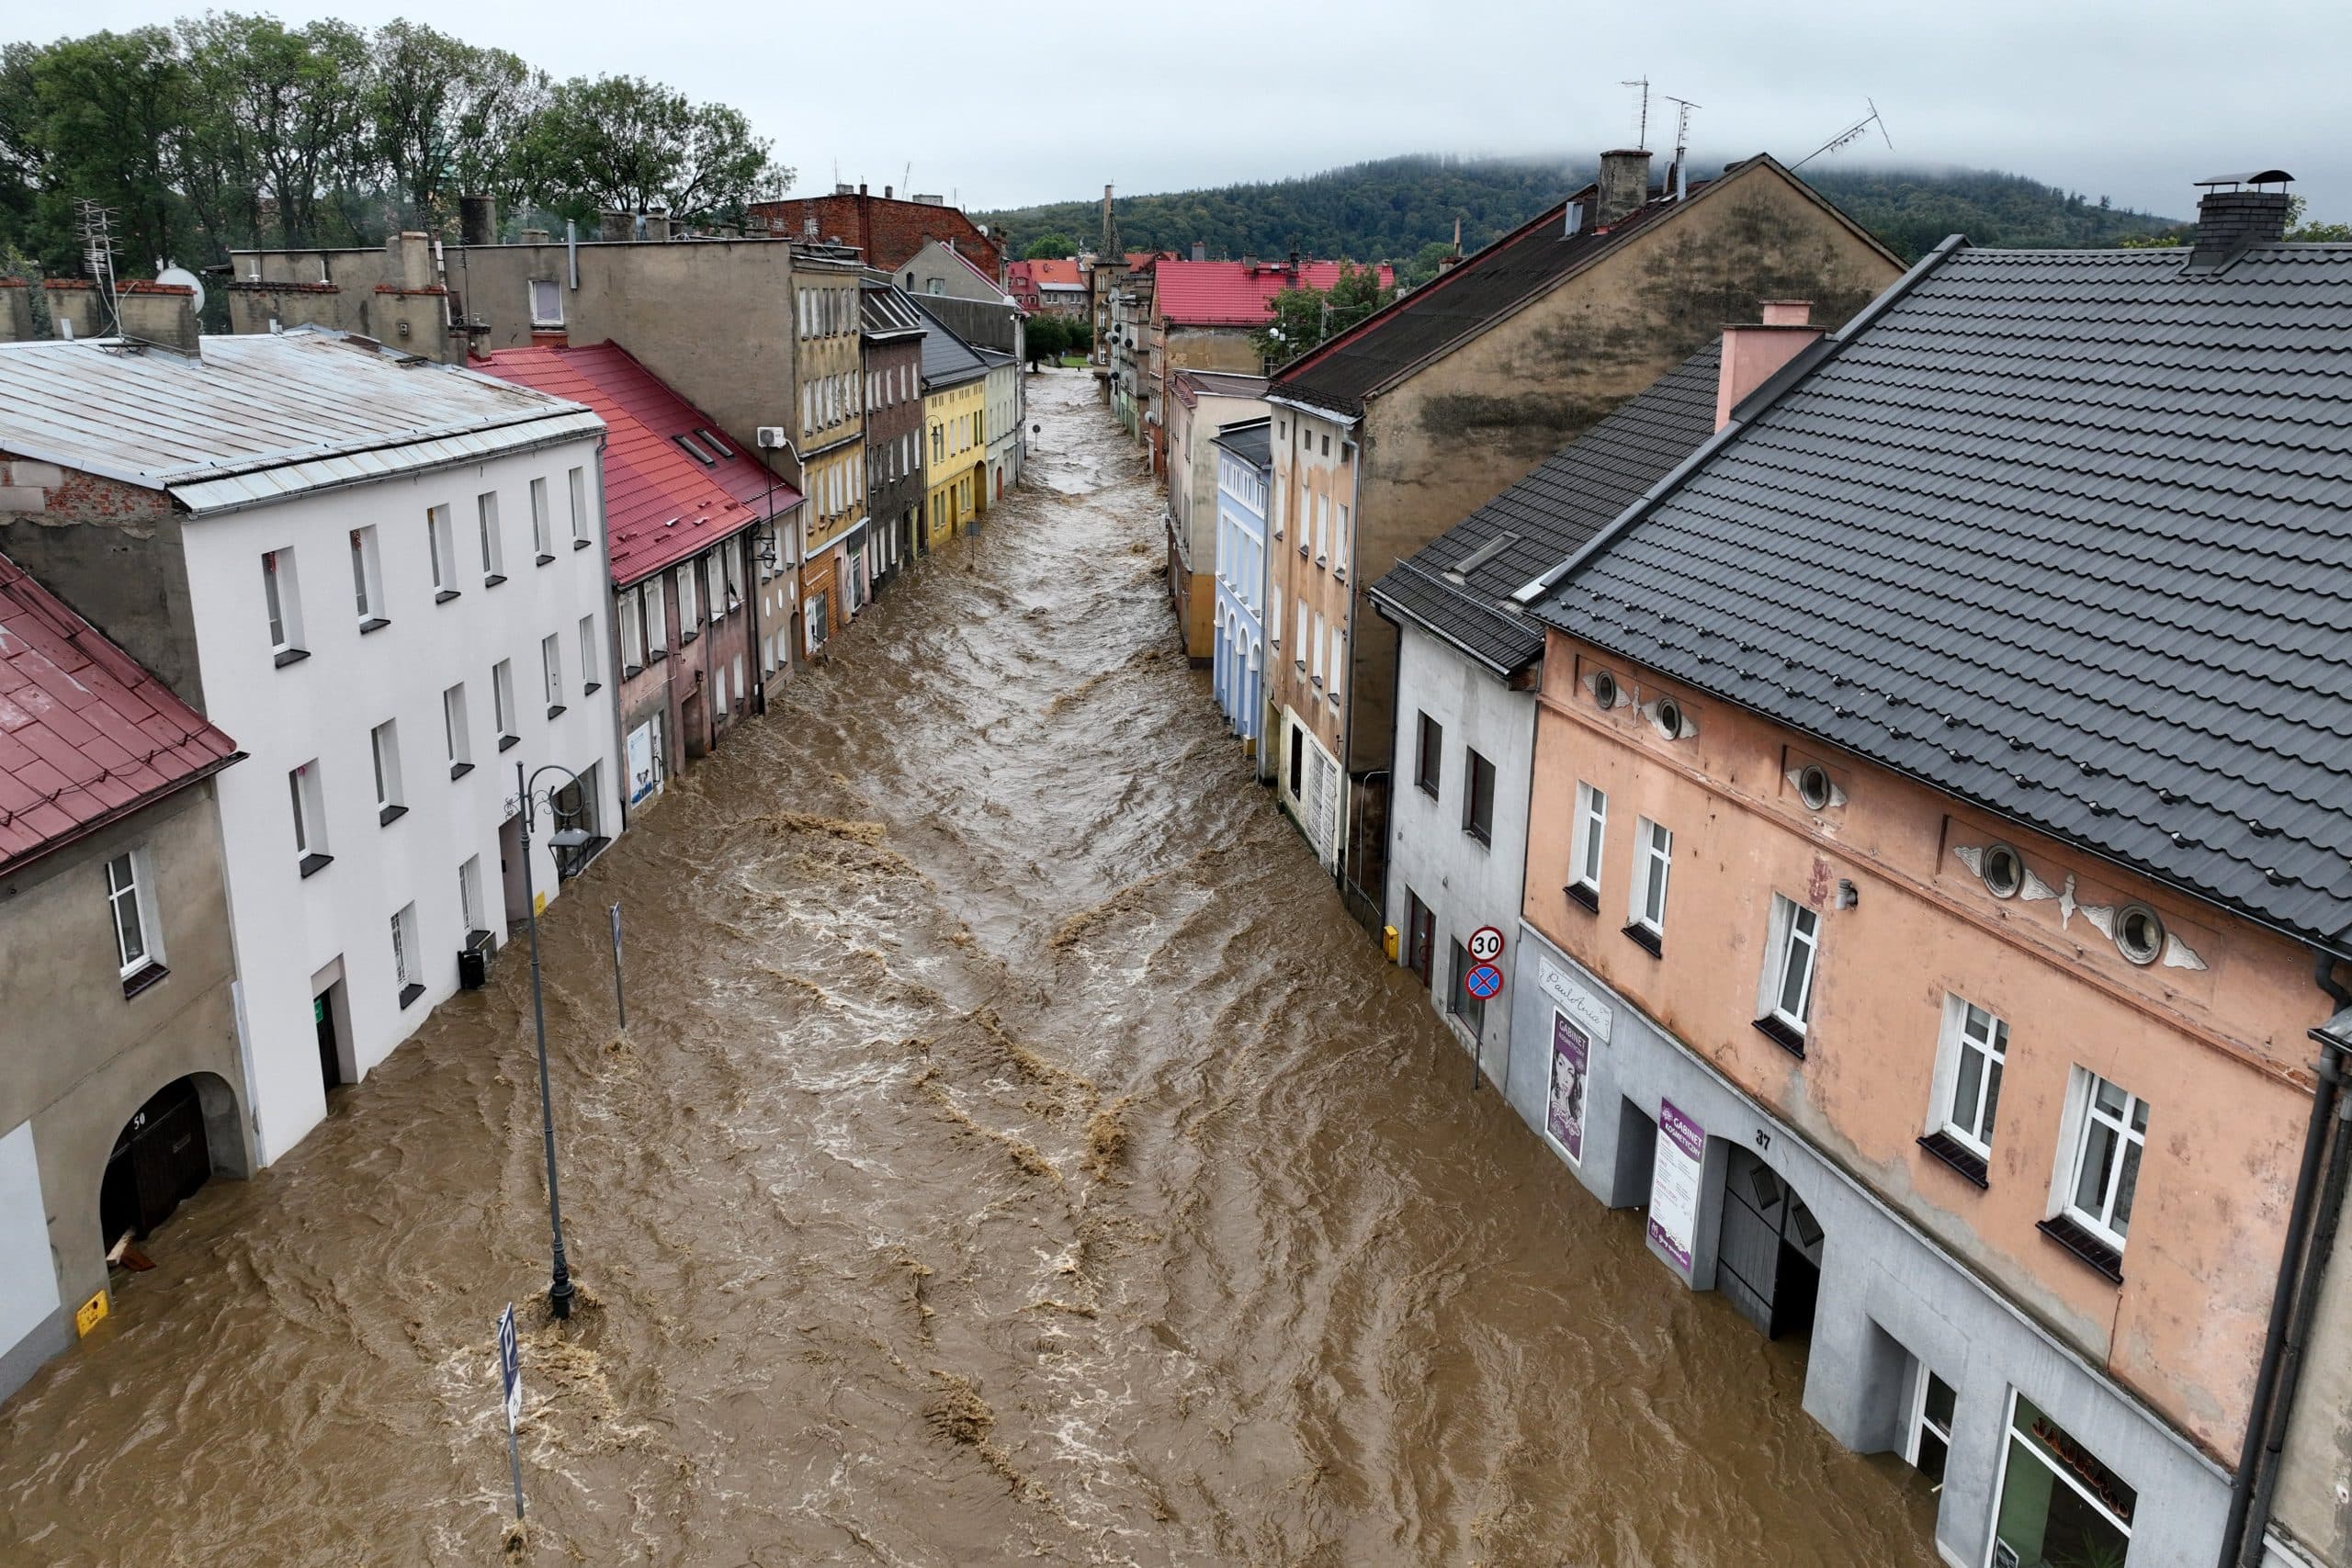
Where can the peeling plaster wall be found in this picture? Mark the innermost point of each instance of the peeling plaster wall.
(2315, 1498)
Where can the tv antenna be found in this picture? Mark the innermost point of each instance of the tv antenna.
(1642, 112)
(1850, 134)
(97, 225)
(1682, 107)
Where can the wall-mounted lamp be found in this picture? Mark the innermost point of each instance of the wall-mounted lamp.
(1847, 896)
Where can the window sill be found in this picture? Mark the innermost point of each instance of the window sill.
(140, 978)
(592, 688)
(656, 656)
(494, 579)
(314, 864)
(547, 560)
(459, 769)
(1583, 896)
(1646, 939)
(287, 656)
(580, 544)
(373, 624)
(410, 993)
(1958, 1155)
(1483, 839)
(1425, 787)
(1779, 1033)
(444, 596)
(555, 710)
(685, 637)
(389, 815)
(2086, 1248)
(508, 742)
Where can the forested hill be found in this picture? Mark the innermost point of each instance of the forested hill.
(1391, 210)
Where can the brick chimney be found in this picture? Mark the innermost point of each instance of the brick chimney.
(410, 253)
(657, 223)
(73, 309)
(160, 313)
(1200, 250)
(477, 220)
(1753, 354)
(2230, 221)
(1624, 184)
(614, 224)
(16, 310)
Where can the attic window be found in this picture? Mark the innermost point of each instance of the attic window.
(2139, 932)
(1604, 689)
(2004, 871)
(1813, 787)
(1485, 553)
(1669, 717)
(696, 453)
(710, 440)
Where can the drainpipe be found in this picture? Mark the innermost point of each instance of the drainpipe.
(2296, 1296)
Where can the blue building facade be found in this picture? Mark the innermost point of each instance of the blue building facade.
(1244, 478)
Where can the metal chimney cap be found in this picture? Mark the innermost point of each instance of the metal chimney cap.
(2253, 178)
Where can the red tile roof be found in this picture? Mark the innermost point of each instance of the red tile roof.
(86, 733)
(1235, 294)
(1061, 274)
(661, 505)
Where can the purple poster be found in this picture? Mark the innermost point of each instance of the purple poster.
(1570, 1056)
(1674, 1182)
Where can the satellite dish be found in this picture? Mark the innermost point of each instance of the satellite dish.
(181, 277)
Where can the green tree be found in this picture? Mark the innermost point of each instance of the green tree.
(448, 117)
(100, 127)
(1426, 262)
(627, 143)
(282, 112)
(1046, 337)
(1050, 247)
(1307, 316)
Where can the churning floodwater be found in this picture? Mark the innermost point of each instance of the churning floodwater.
(1016, 1154)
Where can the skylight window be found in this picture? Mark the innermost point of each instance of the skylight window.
(711, 440)
(696, 453)
(1485, 553)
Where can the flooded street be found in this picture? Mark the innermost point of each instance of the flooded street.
(1016, 1154)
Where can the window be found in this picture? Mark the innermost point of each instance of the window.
(1316, 649)
(657, 622)
(1653, 863)
(367, 579)
(1929, 1443)
(470, 905)
(1428, 762)
(2113, 1129)
(715, 584)
(551, 667)
(384, 747)
(407, 968)
(1975, 1045)
(1478, 804)
(589, 661)
(1591, 833)
(1275, 614)
(1788, 975)
(135, 927)
(1470, 1009)
(1340, 543)
(629, 609)
(2058, 1503)
(493, 548)
(1322, 529)
(1298, 649)
(310, 818)
(1297, 753)
(2004, 871)
(1338, 659)
(579, 509)
(1814, 787)
(441, 543)
(501, 697)
(2139, 932)
(546, 302)
(455, 731)
(689, 610)
(731, 560)
(279, 595)
(542, 523)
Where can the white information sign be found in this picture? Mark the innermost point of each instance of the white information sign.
(1674, 1182)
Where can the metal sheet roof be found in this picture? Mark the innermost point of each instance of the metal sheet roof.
(252, 419)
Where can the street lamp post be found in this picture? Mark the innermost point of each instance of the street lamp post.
(560, 1291)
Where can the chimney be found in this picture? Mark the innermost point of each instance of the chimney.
(160, 313)
(72, 307)
(886, 193)
(1754, 354)
(614, 224)
(1200, 252)
(657, 223)
(16, 310)
(1625, 186)
(2230, 221)
(477, 220)
(412, 259)
(861, 188)
(1248, 262)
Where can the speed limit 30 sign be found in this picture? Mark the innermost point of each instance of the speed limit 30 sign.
(1485, 945)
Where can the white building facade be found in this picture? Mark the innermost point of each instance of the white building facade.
(1237, 672)
(1002, 412)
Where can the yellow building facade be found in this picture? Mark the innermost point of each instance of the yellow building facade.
(955, 449)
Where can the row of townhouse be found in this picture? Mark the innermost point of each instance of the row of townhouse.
(295, 620)
(1875, 802)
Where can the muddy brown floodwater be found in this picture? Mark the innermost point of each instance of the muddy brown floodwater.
(1017, 1156)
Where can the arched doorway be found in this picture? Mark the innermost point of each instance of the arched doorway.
(1768, 1257)
(160, 1158)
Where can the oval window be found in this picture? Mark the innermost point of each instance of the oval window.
(1670, 716)
(2003, 870)
(2139, 932)
(1604, 689)
(1813, 787)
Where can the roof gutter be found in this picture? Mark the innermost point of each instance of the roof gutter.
(1316, 410)
(1754, 404)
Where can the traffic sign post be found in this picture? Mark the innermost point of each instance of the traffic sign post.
(510, 1372)
(1482, 982)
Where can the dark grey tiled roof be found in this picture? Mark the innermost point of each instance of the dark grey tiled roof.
(1547, 516)
(2067, 534)
(1251, 440)
(1340, 374)
(946, 358)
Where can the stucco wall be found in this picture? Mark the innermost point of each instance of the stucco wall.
(2218, 1051)
(2315, 1497)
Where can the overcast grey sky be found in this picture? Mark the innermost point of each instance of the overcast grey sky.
(2127, 99)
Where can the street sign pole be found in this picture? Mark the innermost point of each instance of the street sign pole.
(620, 1002)
(1486, 947)
(510, 1372)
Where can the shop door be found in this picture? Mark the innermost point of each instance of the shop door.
(160, 1159)
(510, 865)
(1421, 935)
(1768, 1257)
(330, 1048)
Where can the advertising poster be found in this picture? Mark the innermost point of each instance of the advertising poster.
(640, 762)
(1674, 1182)
(1571, 1055)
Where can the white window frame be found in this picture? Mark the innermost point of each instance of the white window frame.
(546, 302)
(367, 575)
(589, 661)
(1969, 1029)
(657, 619)
(542, 522)
(551, 670)
(2012, 1438)
(406, 971)
(456, 733)
(493, 538)
(441, 546)
(578, 480)
(501, 697)
(130, 890)
(2085, 1117)
(384, 752)
(1653, 872)
(629, 607)
(308, 800)
(1796, 932)
(281, 600)
(470, 897)
(689, 605)
(1590, 849)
